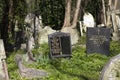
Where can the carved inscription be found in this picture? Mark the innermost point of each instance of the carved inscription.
(98, 39)
(56, 45)
(59, 44)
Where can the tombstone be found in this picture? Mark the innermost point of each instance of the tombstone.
(98, 40)
(88, 20)
(43, 34)
(3, 67)
(60, 45)
(111, 71)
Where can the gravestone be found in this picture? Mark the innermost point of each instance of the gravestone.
(98, 40)
(60, 44)
(111, 71)
(3, 67)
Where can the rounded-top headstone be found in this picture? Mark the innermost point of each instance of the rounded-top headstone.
(111, 70)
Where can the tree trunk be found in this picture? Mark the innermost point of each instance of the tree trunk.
(115, 5)
(75, 18)
(103, 4)
(67, 27)
(10, 16)
(108, 22)
(67, 14)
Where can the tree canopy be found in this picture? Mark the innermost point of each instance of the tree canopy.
(52, 12)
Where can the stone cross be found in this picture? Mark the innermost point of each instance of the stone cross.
(3, 67)
(112, 13)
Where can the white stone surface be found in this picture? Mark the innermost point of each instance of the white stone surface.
(88, 20)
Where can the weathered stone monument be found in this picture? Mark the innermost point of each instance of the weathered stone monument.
(28, 73)
(114, 12)
(111, 70)
(3, 67)
(60, 45)
(98, 40)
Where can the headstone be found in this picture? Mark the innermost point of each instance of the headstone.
(2, 50)
(111, 71)
(60, 44)
(88, 20)
(43, 34)
(74, 35)
(98, 40)
(3, 67)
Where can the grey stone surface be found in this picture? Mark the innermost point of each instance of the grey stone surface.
(29, 73)
(73, 34)
(43, 35)
(2, 74)
(1, 77)
(2, 50)
(2, 56)
(111, 70)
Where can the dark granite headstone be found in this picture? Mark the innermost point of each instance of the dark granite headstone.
(98, 40)
(60, 44)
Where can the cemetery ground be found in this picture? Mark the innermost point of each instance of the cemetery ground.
(79, 67)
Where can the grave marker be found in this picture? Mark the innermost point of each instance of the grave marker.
(3, 66)
(2, 50)
(60, 44)
(98, 40)
(111, 70)
(113, 11)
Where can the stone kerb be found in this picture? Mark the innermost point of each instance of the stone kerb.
(111, 70)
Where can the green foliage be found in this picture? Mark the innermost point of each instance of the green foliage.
(79, 67)
(1, 9)
(12, 67)
(20, 12)
(52, 12)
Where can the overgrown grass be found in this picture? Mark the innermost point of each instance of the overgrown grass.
(79, 67)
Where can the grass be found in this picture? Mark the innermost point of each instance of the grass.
(79, 67)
